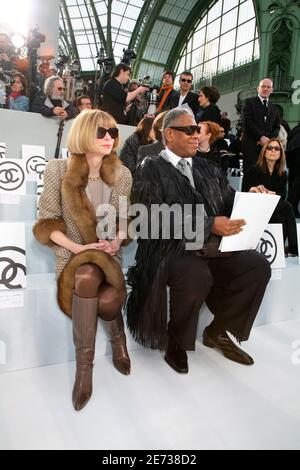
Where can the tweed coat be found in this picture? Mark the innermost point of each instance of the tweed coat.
(64, 206)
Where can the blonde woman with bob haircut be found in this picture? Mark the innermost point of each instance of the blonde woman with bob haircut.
(269, 176)
(89, 277)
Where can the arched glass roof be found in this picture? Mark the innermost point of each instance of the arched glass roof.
(163, 33)
(84, 28)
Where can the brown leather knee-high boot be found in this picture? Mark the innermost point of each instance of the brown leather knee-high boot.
(116, 335)
(84, 316)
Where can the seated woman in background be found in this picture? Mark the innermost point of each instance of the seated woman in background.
(208, 136)
(129, 152)
(18, 99)
(269, 174)
(156, 135)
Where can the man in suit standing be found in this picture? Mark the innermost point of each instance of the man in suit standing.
(186, 96)
(261, 121)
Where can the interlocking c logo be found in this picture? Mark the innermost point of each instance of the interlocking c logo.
(9, 273)
(11, 175)
(268, 247)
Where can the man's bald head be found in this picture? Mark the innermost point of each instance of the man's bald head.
(265, 88)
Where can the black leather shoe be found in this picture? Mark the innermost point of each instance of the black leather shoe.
(176, 357)
(223, 343)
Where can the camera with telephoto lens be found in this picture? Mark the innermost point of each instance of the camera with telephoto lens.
(62, 60)
(106, 62)
(35, 38)
(6, 77)
(145, 81)
(128, 56)
(75, 69)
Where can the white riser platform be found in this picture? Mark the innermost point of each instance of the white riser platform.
(39, 334)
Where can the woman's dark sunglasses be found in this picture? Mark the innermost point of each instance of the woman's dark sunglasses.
(112, 131)
(188, 130)
(275, 147)
(60, 88)
(186, 80)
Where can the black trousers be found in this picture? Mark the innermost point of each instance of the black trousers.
(232, 287)
(284, 214)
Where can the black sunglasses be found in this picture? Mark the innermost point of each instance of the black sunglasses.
(112, 131)
(60, 88)
(275, 147)
(186, 80)
(188, 130)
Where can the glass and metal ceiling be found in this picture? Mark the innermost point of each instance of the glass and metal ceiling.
(224, 38)
(161, 32)
(87, 25)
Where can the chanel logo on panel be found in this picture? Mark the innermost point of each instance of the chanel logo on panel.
(12, 175)
(2, 151)
(268, 247)
(36, 164)
(12, 267)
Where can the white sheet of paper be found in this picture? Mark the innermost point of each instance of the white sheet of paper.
(256, 209)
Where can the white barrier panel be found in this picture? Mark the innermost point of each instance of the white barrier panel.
(12, 256)
(34, 156)
(298, 235)
(2, 353)
(271, 245)
(18, 128)
(64, 153)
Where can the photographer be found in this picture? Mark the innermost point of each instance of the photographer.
(6, 52)
(18, 99)
(52, 104)
(83, 102)
(115, 98)
(138, 106)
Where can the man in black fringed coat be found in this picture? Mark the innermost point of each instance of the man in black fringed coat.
(232, 286)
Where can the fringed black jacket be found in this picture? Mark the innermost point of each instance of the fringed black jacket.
(157, 181)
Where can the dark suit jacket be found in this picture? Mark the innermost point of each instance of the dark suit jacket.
(254, 123)
(210, 113)
(191, 99)
(168, 103)
(150, 149)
